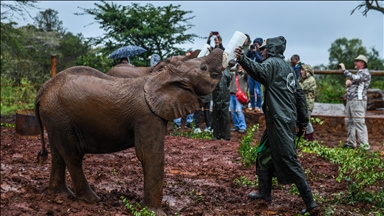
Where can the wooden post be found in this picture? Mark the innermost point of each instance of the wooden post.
(53, 65)
(373, 72)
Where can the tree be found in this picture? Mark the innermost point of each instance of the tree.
(19, 7)
(369, 5)
(48, 21)
(156, 29)
(344, 50)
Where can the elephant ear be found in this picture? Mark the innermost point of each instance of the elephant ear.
(169, 94)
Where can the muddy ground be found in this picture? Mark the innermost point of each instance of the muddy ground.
(199, 179)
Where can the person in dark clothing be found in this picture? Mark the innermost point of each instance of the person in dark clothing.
(254, 87)
(284, 108)
(296, 65)
(218, 42)
(207, 114)
(221, 121)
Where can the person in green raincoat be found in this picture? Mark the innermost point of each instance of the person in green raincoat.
(284, 108)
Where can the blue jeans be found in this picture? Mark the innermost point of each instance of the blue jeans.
(254, 87)
(189, 120)
(237, 113)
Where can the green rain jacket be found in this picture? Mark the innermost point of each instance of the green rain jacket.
(220, 113)
(284, 107)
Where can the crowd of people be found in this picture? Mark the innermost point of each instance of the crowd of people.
(287, 103)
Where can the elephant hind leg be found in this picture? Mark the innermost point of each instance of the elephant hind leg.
(80, 184)
(57, 183)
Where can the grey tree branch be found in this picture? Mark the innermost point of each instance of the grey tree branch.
(369, 5)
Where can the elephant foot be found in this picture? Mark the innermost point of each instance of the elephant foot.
(158, 212)
(89, 197)
(64, 191)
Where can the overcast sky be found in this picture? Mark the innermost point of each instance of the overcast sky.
(309, 27)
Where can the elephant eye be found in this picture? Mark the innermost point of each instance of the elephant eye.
(203, 67)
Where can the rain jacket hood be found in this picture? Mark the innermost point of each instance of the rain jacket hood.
(276, 46)
(308, 71)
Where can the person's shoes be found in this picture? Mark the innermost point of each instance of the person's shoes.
(250, 109)
(306, 195)
(208, 129)
(257, 110)
(234, 129)
(189, 125)
(241, 131)
(265, 186)
(175, 127)
(345, 146)
(197, 130)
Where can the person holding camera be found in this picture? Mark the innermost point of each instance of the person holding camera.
(284, 108)
(357, 86)
(296, 65)
(218, 41)
(254, 87)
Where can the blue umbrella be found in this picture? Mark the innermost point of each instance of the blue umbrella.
(126, 51)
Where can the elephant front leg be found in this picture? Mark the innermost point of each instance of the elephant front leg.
(153, 182)
(152, 160)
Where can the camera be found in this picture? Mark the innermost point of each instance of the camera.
(339, 66)
(215, 32)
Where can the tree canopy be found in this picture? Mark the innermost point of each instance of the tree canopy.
(345, 51)
(48, 21)
(157, 29)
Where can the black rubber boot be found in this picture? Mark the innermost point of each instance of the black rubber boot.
(306, 195)
(265, 186)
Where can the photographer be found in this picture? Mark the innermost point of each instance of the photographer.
(356, 106)
(218, 41)
(254, 87)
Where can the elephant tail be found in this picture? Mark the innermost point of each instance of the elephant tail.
(43, 154)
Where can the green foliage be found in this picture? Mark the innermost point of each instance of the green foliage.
(10, 8)
(96, 59)
(195, 195)
(293, 190)
(316, 121)
(329, 88)
(191, 134)
(345, 51)
(243, 181)
(362, 170)
(2, 124)
(156, 29)
(247, 151)
(142, 212)
(48, 21)
(17, 97)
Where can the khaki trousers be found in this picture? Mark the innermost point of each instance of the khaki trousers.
(355, 123)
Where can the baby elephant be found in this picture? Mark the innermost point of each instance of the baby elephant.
(86, 111)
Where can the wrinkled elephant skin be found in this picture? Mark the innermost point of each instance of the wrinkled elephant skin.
(86, 111)
(128, 71)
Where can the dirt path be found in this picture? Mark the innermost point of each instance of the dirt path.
(199, 180)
